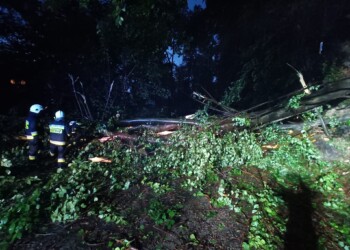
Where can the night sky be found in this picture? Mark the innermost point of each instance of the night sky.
(192, 3)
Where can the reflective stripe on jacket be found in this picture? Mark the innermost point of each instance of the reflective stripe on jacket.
(31, 125)
(58, 133)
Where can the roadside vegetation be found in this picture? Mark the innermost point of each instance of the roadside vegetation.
(197, 189)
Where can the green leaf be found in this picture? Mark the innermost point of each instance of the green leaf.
(245, 246)
(193, 237)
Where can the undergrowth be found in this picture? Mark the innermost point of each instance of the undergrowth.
(235, 170)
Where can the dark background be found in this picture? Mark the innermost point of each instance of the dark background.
(158, 52)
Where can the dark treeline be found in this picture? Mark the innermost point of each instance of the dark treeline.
(125, 52)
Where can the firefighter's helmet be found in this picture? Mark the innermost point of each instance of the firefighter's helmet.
(36, 108)
(72, 123)
(59, 115)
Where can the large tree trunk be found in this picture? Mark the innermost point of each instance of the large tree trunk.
(328, 93)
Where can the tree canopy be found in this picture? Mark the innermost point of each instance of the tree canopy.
(234, 50)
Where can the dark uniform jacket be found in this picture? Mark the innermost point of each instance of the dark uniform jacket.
(73, 127)
(59, 132)
(31, 126)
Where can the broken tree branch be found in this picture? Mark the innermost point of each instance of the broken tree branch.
(308, 92)
(155, 121)
(73, 81)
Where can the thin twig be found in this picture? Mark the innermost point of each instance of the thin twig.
(48, 234)
(109, 95)
(85, 102)
(75, 93)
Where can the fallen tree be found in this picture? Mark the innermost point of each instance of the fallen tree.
(244, 188)
(326, 94)
(275, 111)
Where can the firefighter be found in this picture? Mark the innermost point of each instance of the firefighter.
(73, 127)
(59, 133)
(31, 130)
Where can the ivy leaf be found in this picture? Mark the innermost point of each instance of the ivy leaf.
(245, 246)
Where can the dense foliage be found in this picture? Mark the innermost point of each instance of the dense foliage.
(152, 184)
